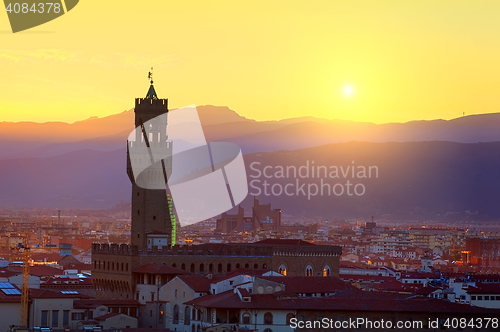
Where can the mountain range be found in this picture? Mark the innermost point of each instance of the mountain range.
(426, 168)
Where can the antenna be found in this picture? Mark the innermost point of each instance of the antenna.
(150, 76)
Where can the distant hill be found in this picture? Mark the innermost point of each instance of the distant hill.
(416, 180)
(21, 140)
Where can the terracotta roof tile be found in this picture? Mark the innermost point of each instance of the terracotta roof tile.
(197, 283)
(309, 285)
(348, 300)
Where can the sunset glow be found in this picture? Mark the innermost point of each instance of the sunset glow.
(266, 61)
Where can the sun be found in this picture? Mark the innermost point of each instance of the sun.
(348, 90)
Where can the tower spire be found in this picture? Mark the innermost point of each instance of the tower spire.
(150, 76)
(151, 92)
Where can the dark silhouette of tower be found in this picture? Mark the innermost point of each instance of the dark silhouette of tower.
(151, 208)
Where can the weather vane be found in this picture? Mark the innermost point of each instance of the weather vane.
(150, 75)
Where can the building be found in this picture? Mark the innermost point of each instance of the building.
(234, 222)
(263, 217)
(277, 311)
(113, 265)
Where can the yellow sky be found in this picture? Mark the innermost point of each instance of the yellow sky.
(404, 60)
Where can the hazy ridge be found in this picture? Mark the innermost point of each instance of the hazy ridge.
(426, 168)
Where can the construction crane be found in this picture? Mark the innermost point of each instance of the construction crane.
(26, 275)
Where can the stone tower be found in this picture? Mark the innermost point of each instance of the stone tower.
(152, 213)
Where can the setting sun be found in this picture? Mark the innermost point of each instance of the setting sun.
(348, 90)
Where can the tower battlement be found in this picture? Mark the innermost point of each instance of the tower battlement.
(230, 249)
(149, 103)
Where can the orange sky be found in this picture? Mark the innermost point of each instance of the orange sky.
(403, 60)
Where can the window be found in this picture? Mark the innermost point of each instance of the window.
(65, 317)
(309, 271)
(77, 316)
(55, 318)
(246, 318)
(479, 298)
(282, 269)
(228, 267)
(326, 271)
(187, 316)
(152, 297)
(176, 314)
(268, 318)
(44, 318)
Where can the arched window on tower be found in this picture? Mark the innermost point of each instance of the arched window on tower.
(326, 271)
